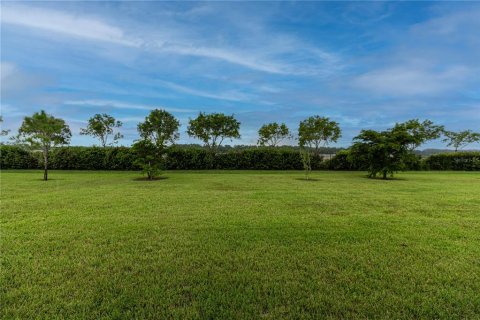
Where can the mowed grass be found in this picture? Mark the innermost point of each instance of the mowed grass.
(239, 245)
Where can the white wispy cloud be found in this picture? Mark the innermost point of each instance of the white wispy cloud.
(64, 23)
(122, 105)
(175, 42)
(411, 80)
(228, 95)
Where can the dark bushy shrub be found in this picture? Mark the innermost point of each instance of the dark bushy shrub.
(341, 161)
(468, 161)
(15, 157)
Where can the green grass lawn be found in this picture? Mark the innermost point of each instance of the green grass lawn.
(239, 244)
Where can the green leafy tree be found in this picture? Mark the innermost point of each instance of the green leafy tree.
(316, 132)
(101, 126)
(160, 127)
(460, 139)
(157, 132)
(213, 128)
(44, 131)
(382, 152)
(421, 132)
(147, 157)
(272, 134)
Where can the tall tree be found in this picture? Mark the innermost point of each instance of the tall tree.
(460, 139)
(101, 126)
(317, 131)
(421, 132)
(272, 134)
(213, 128)
(382, 152)
(44, 131)
(158, 131)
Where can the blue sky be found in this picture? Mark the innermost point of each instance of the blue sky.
(363, 64)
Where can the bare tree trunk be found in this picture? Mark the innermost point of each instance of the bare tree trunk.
(45, 163)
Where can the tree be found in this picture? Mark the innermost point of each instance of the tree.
(460, 139)
(44, 131)
(317, 131)
(382, 152)
(158, 131)
(160, 127)
(101, 126)
(306, 161)
(213, 128)
(421, 132)
(272, 134)
(147, 157)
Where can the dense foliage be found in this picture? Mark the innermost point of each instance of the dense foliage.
(196, 158)
(176, 157)
(454, 161)
(212, 129)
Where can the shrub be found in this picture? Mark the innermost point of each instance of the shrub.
(16, 157)
(468, 161)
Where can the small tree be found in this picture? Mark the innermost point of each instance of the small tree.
(44, 131)
(382, 152)
(460, 139)
(159, 130)
(147, 157)
(421, 132)
(102, 126)
(316, 132)
(272, 134)
(306, 161)
(213, 128)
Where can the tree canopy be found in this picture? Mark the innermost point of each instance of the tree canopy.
(213, 128)
(272, 134)
(460, 139)
(317, 131)
(421, 132)
(383, 152)
(160, 127)
(101, 126)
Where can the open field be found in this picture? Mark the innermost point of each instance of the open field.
(240, 244)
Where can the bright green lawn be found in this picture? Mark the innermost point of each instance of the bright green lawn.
(239, 245)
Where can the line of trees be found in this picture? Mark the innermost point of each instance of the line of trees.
(380, 152)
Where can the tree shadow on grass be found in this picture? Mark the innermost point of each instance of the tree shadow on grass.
(381, 179)
(307, 180)
(146, 179)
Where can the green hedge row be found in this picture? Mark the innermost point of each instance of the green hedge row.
(122, 158)
(468, 161)
(194, 158)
